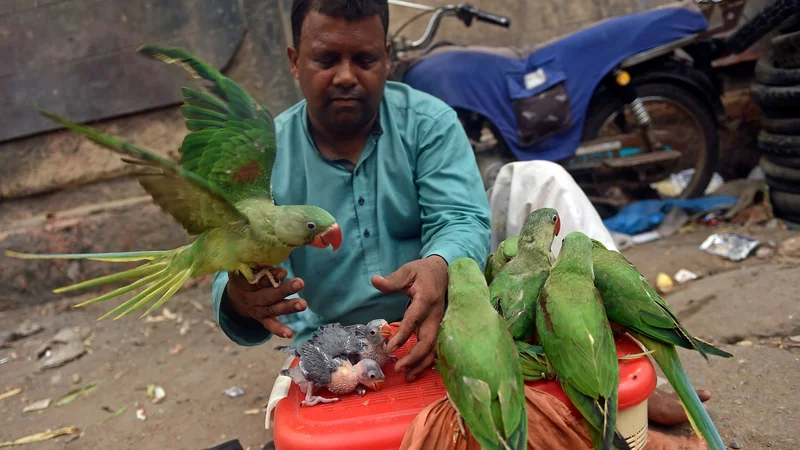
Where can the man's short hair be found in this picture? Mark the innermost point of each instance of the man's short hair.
(349, 10)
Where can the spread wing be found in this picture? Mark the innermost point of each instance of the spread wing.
(317, 366)
(232, 138)
(338, 341)
(192, 200)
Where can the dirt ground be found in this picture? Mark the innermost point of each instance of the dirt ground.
(755, 403)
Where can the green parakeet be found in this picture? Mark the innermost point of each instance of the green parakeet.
(220, 192)
(630, 301)
(578, 341)
(479, 364)
(515, 288)
(506, 251)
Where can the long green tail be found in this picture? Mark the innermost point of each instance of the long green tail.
(667, 358)
(162, 273)
(600, 416)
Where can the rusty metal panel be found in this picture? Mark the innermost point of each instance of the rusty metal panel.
(77, 57)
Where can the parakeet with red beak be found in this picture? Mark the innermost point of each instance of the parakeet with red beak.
(479, 363)
(515, 288)
(577, 339)
(631, 302)
(220, 192)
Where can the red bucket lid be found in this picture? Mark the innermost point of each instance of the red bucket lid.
(379, 420)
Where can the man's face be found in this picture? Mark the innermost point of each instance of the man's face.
(342, 68)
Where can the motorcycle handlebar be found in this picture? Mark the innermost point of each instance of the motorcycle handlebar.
(483, 16)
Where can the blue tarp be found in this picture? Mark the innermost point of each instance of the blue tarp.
(487, 83)
(648, 214)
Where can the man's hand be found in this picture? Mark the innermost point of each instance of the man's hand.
(265, 303)
(425, 281)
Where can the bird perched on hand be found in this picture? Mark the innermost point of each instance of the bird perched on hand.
(515, 288)
(220, 192)
(479, 363)
(631, 302)
(578, 341)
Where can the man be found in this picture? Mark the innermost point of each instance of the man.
(393, 166)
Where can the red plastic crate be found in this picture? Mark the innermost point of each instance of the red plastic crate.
(379, 420)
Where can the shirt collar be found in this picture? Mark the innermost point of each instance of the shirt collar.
(376, 133)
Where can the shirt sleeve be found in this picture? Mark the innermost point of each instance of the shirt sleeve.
(245, 332)
(456, 219)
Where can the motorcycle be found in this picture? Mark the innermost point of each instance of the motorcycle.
(623, 104)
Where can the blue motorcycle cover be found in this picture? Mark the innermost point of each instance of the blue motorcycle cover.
(539, 103)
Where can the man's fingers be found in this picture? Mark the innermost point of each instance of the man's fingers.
(270, 296)
(394, 282)
(282, 308)
(414, 372)
(414, 316)
(275, 327)
(421, 355)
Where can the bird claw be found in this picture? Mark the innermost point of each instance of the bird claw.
(461, 427)
(360, 390)
(265, 273)
(317, 399)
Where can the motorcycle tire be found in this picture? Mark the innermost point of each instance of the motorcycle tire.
(770, 75)
(784, 161)
(791, 25)
(602, 108)
(767, 20)
(779, 144)
(775, 96)
(779, 172)
(783, 185)
(785, 202)
(787, 50)
(781, 126)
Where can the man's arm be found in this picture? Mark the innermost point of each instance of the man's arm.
(455, 210)
(241, 330)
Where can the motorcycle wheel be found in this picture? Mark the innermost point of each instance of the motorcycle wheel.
(670, 107)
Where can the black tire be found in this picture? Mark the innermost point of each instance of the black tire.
(791, 25)
(787, 50)
(785, 202)
(774, 96)
(784, 161)
(783, 185)
(781, 126)
(603, 107)
(767, 20)
(779, 144)
(776, 171)
(769, 75)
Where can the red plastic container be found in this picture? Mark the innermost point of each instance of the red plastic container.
(379, 420)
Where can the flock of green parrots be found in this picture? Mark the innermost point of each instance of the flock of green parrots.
(527, 316)
(530, 316)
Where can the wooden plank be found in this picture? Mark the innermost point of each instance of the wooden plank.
(76, 57)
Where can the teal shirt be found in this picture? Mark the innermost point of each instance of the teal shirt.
(415, 192)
